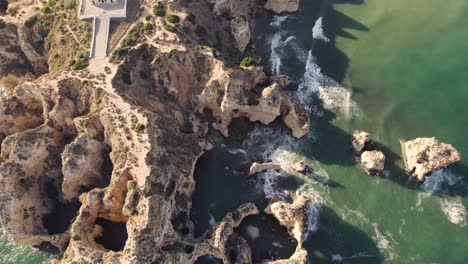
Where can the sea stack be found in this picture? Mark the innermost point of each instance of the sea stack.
(360, 140)
(423, 156)
(371, 161)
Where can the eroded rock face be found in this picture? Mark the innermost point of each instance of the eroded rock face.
(260, 167)
(423, 156)
(301, 167)
(359, 141)
(295, 217)
(373, 162)
(281, 6)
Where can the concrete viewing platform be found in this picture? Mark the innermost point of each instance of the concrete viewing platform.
(101, 11)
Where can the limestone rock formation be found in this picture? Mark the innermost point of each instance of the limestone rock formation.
(260, 167)
(281, 6)
(373, 162)
(295, 217)
(359, 141)
(423, 156)
(301, 167)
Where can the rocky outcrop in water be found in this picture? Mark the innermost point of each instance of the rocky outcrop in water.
(281, 6)
(373, 162)
(359, 141)
(296, 218)
(260, 167)
(423, 156)
(301, 167)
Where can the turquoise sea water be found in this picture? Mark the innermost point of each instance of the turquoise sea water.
(403, 64)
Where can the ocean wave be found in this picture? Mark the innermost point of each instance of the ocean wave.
(277, 48)
(338, 100)
(440, 182)
(385, 243)
(317, 31)
(278, 21)
(454, 210)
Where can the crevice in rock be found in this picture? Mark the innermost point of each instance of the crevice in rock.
(208, 259)
(62, 215)
(114, 234)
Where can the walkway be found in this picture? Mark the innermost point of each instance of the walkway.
(102, 14)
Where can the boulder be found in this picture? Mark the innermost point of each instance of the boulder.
(423, 156)
(301, 167)
(260, 167)
(281, 6)
(359, 140)
(373, 162)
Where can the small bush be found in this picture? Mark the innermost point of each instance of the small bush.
(131, 185)
(139, 128)
(30, 22)
(81, 62)
(46, 10)
(247, 62)
(204, 43)
(159, 11)
(84, 123)
(51, 3)
(148, 26)
(186, 41)
(191, 18)
(148, 18)
(69, 4)
(174, 19)
(107, 70)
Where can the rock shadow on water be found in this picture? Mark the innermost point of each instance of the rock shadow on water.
(340, 242)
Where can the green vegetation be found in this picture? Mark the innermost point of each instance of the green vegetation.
(131, 185)
(139, 128)
(148, 17)
(174, 19)
(148, 26)
(81, 62)
(69, 4)
(133, 35)
(84, 123)
(108, 70)
(46, 10)
(186, 41)
(191, 18)
(159, 11)
(247, 62)
(204, 43)
(51, 3)
(30, 22)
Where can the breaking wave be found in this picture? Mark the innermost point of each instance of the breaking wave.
(277, 48)
(278, 21)
(317, 31)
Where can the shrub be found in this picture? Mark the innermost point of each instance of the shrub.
(247, 62)
(2, 24)
(82, 61)
(139, 128)
(69, 4)
(159, 11)
(45, 10)
(148, 26)
(30, 22)
(174, 19)
(186, 41)
(148, 18)
(131, 185)
(204, 43)
(191, 18)
(51, 3)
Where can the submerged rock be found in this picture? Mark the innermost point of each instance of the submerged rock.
(281, 6)
(360, 140)
(373, 162)
(301, 167)
(260, 167)
(423, 156)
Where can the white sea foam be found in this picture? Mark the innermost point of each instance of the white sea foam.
(385, 243)
(212, 220)
(440, 181)
(314, 216)
(338, 100)
(278, 21)
(317, 31)
(277, 48)
(313, 79)
(454, 210)
(342, 259)
(277, 244)
(253, 232)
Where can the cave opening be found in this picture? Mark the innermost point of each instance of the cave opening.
(267, 239)
(62, 215)
(114, 234)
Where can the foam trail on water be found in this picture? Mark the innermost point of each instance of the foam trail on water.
(317, 31)
(277, 47)
(454, 210)
(439, 182)
(278, 21)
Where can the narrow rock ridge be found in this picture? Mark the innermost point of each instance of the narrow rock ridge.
(282, 6)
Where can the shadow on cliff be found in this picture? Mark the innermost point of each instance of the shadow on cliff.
(338, 241)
